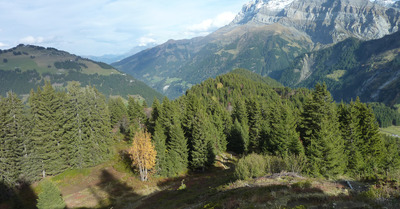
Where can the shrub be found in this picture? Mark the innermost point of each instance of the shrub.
(251, 166)
(275, 164)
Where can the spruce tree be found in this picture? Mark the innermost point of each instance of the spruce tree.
(50, 197)
(319, 130)
(159, 140)
(155, 112)
(349, 126)
(48, 148)
(117, 111)
(238, 138)
(372, 148)
(200, 156)
(12, 134)
(254, 122)
(177, 149)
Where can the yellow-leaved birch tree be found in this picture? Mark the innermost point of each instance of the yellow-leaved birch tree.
(143, 153)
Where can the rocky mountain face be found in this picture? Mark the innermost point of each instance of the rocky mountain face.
(325, 21)
(265, 37)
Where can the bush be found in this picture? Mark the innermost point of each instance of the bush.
(251, 166)
(275, 164)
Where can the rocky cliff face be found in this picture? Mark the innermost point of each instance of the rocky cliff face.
(325, 21)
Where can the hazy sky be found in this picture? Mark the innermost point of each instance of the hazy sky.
(96, 27)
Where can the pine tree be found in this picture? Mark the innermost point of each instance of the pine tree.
(372, 148)
(136, 112)
(282, 138)
(12, 132)
(239, 138)
(117, 111)
(319, 130)
(350, 131)
(200, 152)
(50, 197)
(254, 122)
(48, 148)
(156, 108)
(159, 140)
(177, 149)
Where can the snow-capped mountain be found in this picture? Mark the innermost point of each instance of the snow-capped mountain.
(265, 37)
(325, 21)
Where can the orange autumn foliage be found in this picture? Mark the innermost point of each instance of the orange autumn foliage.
(142, 153)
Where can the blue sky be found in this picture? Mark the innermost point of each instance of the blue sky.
(97, 27)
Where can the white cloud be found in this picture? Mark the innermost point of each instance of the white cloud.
(31, 40)
(3, 45)
(209, 25)
(144, 41)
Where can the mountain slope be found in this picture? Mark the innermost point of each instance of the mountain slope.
(369, 69)
(265, 38)
(25, 67)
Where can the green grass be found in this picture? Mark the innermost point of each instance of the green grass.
(392, 130)
(336, 75)
(71, 173)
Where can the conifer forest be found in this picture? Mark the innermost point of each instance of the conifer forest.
(59, 130)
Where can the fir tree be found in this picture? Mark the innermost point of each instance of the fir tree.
(239, 138)
(12, 134)
(200, 156)
(177, 149)
(46, 113)
(159, 140)
(319, 130)
(254, 122)
(156, 108)
(50, 197)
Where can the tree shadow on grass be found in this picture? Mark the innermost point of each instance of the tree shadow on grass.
(110, 192)
(18, 197)
(193, 188)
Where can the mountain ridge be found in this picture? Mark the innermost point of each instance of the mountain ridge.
(26, 67)
(261, 44)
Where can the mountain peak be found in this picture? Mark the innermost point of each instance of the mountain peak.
(325, 21)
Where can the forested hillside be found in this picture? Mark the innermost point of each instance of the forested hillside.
(25, 67)
(368, 69)
(295, 130)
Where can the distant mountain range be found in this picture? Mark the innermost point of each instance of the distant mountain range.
(265, 37)
(26, 67)
(111, 58)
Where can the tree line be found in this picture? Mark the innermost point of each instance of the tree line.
(234, 113)
(55, 131)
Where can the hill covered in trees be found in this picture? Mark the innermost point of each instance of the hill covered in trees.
(25, 67)
(300, 130)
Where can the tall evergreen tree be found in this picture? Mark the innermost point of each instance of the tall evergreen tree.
(159, 141)
(200, 152)
(373, 145)
(12, 134)
(46, 113)
(254, 122)
(239, 138)
(156, 108)
(177, 149)
(319, 130)
(117, 111)
(351, 134)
